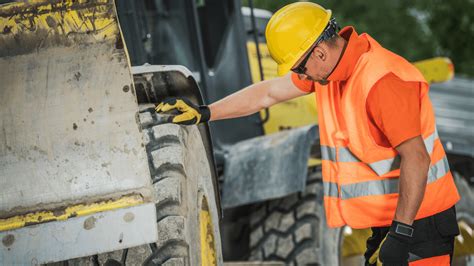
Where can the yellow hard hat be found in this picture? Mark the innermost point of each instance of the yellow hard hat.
(292, 30)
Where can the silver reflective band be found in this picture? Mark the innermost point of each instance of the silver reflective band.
(438, 170)
(328, 153)
(380, 167)
(430, 140)
(369, 188)
(385, 166)
(389, 186)
(346, 156)
(330, 189)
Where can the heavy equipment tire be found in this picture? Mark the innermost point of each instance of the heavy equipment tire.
(181, 176)
(293, 229)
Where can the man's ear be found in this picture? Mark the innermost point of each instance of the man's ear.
(320, 53)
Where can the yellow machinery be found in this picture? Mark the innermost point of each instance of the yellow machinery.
(87, 170)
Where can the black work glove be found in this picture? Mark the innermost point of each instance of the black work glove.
(394, 250)
(190, 113)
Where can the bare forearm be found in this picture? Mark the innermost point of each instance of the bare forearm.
(255, 97)
(244, 102)
(413, 177)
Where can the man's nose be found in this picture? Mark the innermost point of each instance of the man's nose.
(302, 76)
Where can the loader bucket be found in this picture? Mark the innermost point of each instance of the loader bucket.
(69, 132)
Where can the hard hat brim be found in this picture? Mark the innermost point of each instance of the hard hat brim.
(283, 69)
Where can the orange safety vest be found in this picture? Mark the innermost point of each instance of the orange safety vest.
(360, 177)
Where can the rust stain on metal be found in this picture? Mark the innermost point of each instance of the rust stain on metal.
(8, 240)
(77, 76)
(59, 212)
(89, 223)
(128, 217)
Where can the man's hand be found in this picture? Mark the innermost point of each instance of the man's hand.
(393, 250)
(190, 114)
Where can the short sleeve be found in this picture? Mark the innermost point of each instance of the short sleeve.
(303, 85)
(393, 107)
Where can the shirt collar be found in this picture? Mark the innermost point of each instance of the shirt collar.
(355, 47)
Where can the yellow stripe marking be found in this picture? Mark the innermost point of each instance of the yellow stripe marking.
(68, 18)
(208, 248)
(69, 212)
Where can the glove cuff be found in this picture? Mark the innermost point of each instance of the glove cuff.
(402, 231)
(205, 113)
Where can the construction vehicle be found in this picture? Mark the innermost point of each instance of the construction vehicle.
(85, 167)
(98, 192)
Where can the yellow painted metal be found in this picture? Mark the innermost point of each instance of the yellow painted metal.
(73, 19)
(69, 212)
(354, 241)
(269, 66)
(438, 69)
(464, 242)
(292, 114)
(208, 244)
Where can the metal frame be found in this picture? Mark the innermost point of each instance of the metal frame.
(80, 236)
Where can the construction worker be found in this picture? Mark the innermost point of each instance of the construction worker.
(383, 164)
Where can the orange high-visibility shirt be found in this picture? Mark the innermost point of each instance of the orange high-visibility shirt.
(393, 105)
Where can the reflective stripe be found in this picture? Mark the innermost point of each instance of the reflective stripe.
(388, 186)
(328, 153)
(429, 141)
(380, 167)
(438, 170)
(369, 188)
(330, 189)
(346, 156)
(384, 166)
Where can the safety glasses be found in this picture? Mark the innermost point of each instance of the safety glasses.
(301, 67)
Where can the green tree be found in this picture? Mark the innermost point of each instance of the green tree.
(452, 24)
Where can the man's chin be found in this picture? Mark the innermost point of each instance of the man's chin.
(320, 81)
(323, 81)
